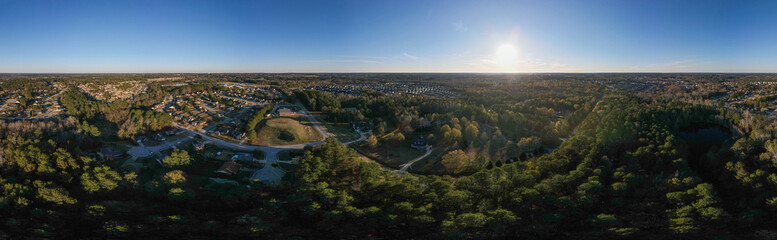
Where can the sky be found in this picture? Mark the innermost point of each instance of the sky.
(387, 36)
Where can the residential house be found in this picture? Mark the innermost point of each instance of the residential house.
(238, 134)
(419, 144)
(229, 168)
(284, 111)
(199, 146)
(172, 132)
(110, 153)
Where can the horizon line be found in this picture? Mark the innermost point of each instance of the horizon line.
(614, 72)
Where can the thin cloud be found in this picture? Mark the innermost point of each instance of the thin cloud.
(410, 56)
(343, 61)
(534, 63)
(486, 64)
(366, 57)
(459, 26)
(671, 66)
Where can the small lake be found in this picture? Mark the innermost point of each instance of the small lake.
(702, 140)
(705, 133)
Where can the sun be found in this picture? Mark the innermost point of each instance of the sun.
(506, 55)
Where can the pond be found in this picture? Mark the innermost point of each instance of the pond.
(705, 133)
(703, 141)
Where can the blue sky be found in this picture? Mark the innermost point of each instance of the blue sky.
(388, 36)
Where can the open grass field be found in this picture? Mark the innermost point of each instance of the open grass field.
(285, 131)
(431, 164)
(341, 131)
(392, 156)
(289, 154)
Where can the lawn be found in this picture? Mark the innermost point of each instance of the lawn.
(258, 154)
(389, 155)
(198, 174)
(285, 131)
(121, 146)
(432, 163)
(116, 163)
(235, 114)
(343, 132)
(287, 155)
(288, 167)
(174, 137)
(210, 153)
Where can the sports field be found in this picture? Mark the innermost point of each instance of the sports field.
(285, 131)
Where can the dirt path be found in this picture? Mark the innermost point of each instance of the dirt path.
(408, 164)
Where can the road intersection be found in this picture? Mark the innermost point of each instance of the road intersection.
(269, 173)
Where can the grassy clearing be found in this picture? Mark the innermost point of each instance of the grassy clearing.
(258, 154)
(288, 168)
(389, 155)
(211, 150)
(286, 131)
(431, 164)
(343, 132)
(116, 163)
(289, 154)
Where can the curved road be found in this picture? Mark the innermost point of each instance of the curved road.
(362, 136)
(268, 173)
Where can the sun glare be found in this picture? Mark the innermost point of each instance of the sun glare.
(506, 55)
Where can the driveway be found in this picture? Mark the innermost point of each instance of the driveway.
(408, 164)
(142, 151)
(269, 173)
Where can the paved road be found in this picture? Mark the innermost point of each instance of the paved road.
(251, 103)
(226, 119)
(27, 118)
(408, 164)
(142, 151)
(362, 136)
(315, 123)
(268, 173)
(46, 115)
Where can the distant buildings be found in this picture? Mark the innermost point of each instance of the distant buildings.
(430, 90)
(284, 112)
(112, 92)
